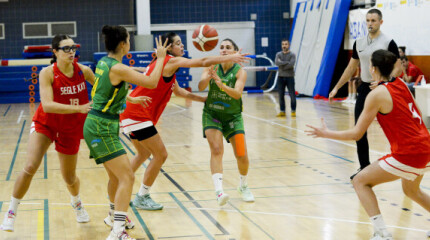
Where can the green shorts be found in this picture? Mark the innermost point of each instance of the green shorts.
(101, 133)
(228, 124)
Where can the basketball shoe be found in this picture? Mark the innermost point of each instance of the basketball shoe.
(379, 236)
(8, 221)
(145, 202)
(281, 114)
(222, 198)
(119, 236)
(81, 214)
(245, 193)
(109, 221)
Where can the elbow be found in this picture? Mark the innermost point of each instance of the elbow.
(236, 97)
(357, 136)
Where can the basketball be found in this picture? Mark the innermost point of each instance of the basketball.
(205, 38)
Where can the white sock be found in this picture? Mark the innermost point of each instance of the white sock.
(119, 222)
(76, 199)
(349, 95)
(112, 209)
(14, 204)
(354, 96)
(243, 181)
(379, 225)
(217, 178)
(143, 189)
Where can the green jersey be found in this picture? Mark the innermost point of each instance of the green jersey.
(220, 101)
(107, 98)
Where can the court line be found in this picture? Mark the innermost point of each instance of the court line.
(298, 130)
(40, 233)
(249, 219)
(45, 167)
(142, 223)
(20, 116)
(317, 149)
(7, 110)
(208, 216)
(15, 153)
(46, 219)
(189, 236)
(313, 217)
(192, 217)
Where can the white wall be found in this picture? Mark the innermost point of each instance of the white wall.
(242, 33)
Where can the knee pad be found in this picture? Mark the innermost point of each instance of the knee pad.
(240, 144)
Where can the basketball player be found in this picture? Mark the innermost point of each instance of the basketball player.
(101, 129)
(59, 118)
(362, 50)
(222, 116)
(140, 122)
(400, 119)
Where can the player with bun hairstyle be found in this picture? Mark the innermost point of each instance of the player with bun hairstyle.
(140, 122)
(400, 119)
(222, 116)
(59, 118)
(101, 129)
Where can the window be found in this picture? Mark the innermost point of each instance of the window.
(48, 29)
(1, 30)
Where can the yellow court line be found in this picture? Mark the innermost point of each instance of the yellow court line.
(40, 225)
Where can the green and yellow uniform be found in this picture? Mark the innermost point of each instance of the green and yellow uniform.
(221, 111)
(101, 129)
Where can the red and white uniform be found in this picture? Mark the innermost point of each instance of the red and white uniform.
(406, 132)
(65, 129)
(135, 116)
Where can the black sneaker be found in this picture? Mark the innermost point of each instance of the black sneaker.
(353, 175)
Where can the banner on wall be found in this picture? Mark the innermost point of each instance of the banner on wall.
(406, 21)
(356, 27)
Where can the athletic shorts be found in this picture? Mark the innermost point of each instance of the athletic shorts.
(66, 143)
(393, 166)
(228, 124)
(138, 130)
(101, 133)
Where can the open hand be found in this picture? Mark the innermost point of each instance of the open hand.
(161, 49)
(85, 108)
(317, 131)
(142, 100)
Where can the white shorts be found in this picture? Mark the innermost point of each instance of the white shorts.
(391, 165)
(129, 125)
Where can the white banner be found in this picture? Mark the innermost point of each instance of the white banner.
(406, 21)
(356, 27)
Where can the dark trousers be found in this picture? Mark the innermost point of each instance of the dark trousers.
(289, 83)
(362, 145)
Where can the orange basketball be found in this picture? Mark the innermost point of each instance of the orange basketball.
(205, 38)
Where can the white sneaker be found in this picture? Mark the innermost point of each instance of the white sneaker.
(120, 236)
(81, 214)
(222, 198)
(378, 236)
(428, 234)
(8, 221)
(246, 194)
(109, 221)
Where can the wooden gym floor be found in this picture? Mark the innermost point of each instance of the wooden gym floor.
(301, 184)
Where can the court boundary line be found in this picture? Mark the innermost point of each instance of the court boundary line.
(142, 223)
(7, 110)
(15, 153)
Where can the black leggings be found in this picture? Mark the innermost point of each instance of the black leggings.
(362, 145)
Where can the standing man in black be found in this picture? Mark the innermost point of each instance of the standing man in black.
(286, 60)
(362, 51)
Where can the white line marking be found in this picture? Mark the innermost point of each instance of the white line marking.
(20, 116)
(305, 216)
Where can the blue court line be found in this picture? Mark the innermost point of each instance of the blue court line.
(192, 217)
(14, 155)
(45, 167)
(1, 205)
(46, 219)
(7, 110)
(249, 219)
(344, 159)
(142, 223)
(215, 222)
(125, 144)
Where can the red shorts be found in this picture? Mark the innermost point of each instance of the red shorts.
(66, 143)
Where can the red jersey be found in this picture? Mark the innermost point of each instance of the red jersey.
(160, 97)
(404, 127)
(66, 90)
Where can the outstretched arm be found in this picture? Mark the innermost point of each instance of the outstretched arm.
(180, 92)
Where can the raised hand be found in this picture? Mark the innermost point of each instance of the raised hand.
(332, 94)
(213, 74)
(161, 49)
(317, 131)
(240, 57)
